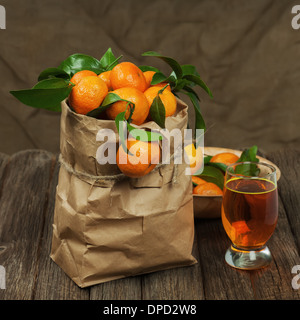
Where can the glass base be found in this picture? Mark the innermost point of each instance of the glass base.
(248, 260)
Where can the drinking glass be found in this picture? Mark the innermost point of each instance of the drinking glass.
(249, 213)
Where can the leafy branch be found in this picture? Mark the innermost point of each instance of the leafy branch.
(54, 84)
(182, 79)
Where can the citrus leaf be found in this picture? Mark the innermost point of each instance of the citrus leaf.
(108, 60)
(249, 155)
(113, 63)
(46, 94)
(207, 159)
(170, 61)
(148, 68)
(189, 69)
(197, 80)
(109, 99)
(139, 134)
(52, 83)
(180, 83)
(199, 121)
(248, 169)
(120, 122)
(77, 62)
(53, 72)
(189, 89)
(218, 165)
(159, 78)
(158, 111)
(214, 175)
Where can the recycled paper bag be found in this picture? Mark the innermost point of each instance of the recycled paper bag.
(108, 226)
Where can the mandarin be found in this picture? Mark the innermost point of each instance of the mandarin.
(88, 94)
(145, 156)
(135, 96)
(207, 189)
(78, 76)
(149, 75)
(195, 157)
(197, 180)
(163, 84)
(105, 76)
(167, 97)
(127, 74)
(226, 158)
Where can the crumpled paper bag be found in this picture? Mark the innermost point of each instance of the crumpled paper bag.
(108, 226)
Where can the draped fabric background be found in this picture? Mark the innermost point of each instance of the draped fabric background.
(246, 51)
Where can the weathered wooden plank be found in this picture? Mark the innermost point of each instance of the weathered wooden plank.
(27, 192)
(184, 283)
(289, 164)
(221, 282)
(123, 289)
(275, 282)
(51, 282)
(24, 186)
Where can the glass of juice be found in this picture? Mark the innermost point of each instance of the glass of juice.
(249, 213)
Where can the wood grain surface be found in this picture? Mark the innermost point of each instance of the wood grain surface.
(28, 182)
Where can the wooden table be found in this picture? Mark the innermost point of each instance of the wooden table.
(28, 181)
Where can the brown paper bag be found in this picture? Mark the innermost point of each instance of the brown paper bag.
(108, 226)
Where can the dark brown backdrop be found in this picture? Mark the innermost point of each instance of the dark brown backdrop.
(246, 51)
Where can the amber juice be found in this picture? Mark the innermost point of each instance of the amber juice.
(249, 211)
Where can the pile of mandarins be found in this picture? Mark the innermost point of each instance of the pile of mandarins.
(205, 188)
(131, 84)
(127, 81)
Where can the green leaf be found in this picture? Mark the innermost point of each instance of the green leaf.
(109, 100)
(46, 94)
(248, 169)
(218, 165)
(158, 77)
(139, 134)
(170, 61)
(53, 73)
(199, 121)
(158, 111)
(78, 62)
(249, 155)
(214, 175)
(52, 83)
(113, 63)
(189, 69)
(180, 84)
(108, 60)
(189, 89)
(197, 80)
(148, 68)
(207, 159)
(120, 121)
